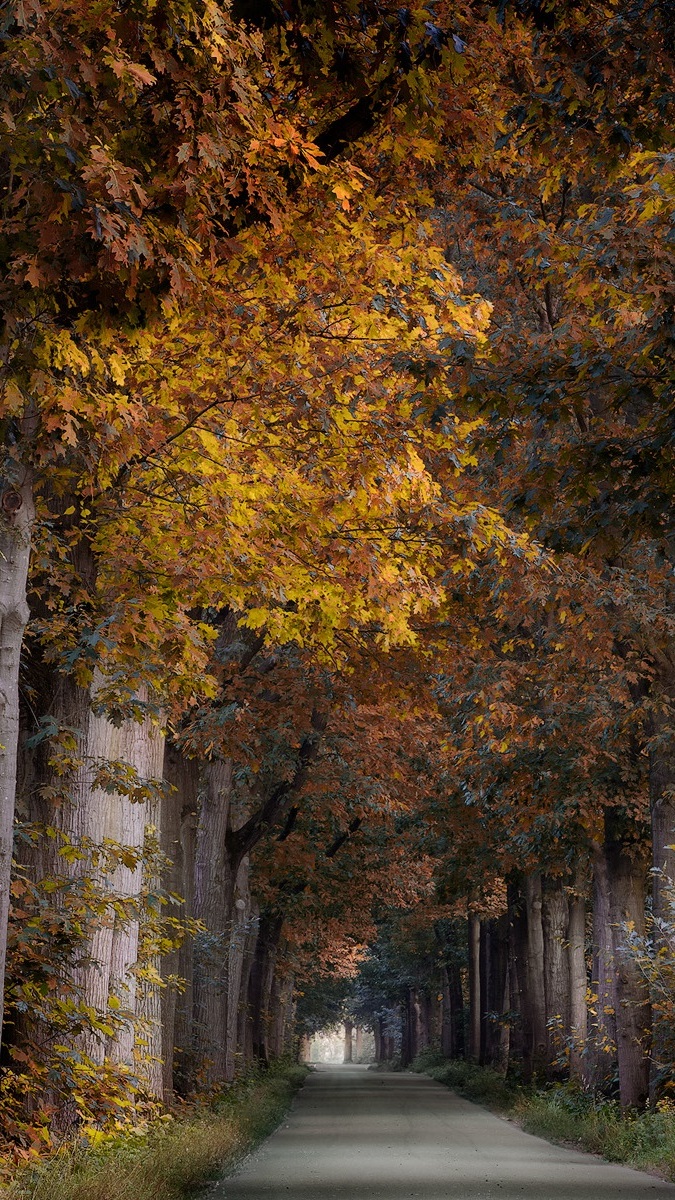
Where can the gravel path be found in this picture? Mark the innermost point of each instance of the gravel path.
(355, 1134)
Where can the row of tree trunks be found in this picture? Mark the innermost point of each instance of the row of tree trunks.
(222, 1002)
(528, 977)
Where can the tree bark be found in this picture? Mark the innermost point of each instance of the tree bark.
(496, 1030)
(602, 1015)
(214, 899)
(521, 1033)
(474, 987)
(535, 973)
(576, 965)
(17, 515)
(626, 874)
(238, 942)
(555, 922)
(245, 1036)
(262, 976)
(662, 801)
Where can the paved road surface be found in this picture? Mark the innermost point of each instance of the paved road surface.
(355, 1134)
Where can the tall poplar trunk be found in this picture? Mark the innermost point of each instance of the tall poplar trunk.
(602, 1015)
(521, 1032)
(535, 973)
(262, 977)
(241, 917)
(179, 836)
(555, 921)
(407, 1030)
(17, 515)
(578, 984)
(627, 874)
(245, 1036)
(214, 900)
(496, 993)
(484, 990)
(474, 987)
(305, 1048)
(662, 801)
(348, 1053)
(115, 817)
(379, 1039)
(447, 1021)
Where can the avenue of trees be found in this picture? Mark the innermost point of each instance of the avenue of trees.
(337, 605)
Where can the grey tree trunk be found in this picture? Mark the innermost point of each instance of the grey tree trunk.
(179, 837)
(474, 987)
(535, 973)
(348, 1044)
(576, 960)
(17, 515)
(662, 799)
(627, 875)
(555, 920)
(602, 1013)
(214, 899)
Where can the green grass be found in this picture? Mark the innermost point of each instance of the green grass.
(479, 1084)
(564, 1113)
(172, 1161)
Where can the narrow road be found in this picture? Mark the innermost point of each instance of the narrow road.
(355, 1134)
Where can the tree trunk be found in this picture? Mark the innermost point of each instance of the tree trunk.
(626, 874)
(457, 1010)
(555, 921)
(102, 816)
(262, 977)
(214, 901)
(17, 515)
(662, 802)
(576, 965)
(179, 827)
(496, 992)
(377, 1033)
(521, 1035)
(484, 991)
(238, 943)
(536, 995)
(245, 1022)
(474, 987)
(305, 1048)
(602, 1015)
(406, 1032)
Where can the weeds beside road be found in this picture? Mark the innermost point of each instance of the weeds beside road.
(170, 1160)
(563, 1113)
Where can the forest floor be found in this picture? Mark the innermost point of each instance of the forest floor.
(355, 1134)
(567, 1115)
(171, 1160)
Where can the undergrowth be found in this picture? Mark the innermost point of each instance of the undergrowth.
(479, 1084)
(565, 1113)
(172, 1159)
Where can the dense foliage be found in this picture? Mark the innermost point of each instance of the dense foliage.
(336, 559)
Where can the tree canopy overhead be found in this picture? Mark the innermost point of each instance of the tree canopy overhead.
(336, 551)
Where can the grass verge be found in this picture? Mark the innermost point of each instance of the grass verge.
(170, 1161)
(479, 1084)
(566, 1114)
